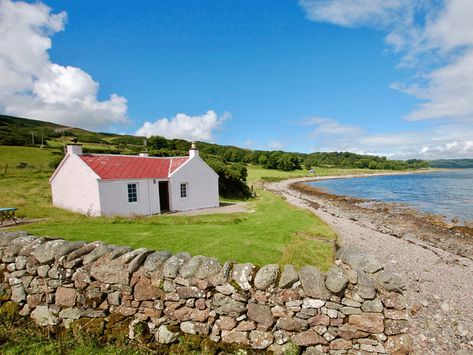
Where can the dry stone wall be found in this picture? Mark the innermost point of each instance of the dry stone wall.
(114, 291)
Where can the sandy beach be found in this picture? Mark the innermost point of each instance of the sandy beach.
(435, 258)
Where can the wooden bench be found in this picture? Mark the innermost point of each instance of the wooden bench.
(8, 213)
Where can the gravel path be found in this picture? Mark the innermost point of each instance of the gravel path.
(224, 208)
(440, 283)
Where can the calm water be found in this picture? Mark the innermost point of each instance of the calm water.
(446, 193)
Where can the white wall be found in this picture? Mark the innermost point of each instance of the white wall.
(202, 186)
(114, 197)
(74, 186)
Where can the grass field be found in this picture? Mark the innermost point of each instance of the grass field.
(256, 173)
(274, 233)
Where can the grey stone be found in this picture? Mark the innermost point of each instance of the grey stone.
(85, 249)
(43, 316)
(292, 324)
(288, 277)
(372, 306)
(242, 274)
(209, 267)
(226, 289)
(156, 260)
(118, 251)
(266, 276)
(57, 273)
(101, 250)
(48, 251)
(28, 249)
(260, 340)
(173, 264)
(395, 326)
(189, 327)
(138, 260)
(13, 249)
(350, 310)
(235, 337)
(226, 305)
(190, 292)
(71, 313)
(6, 238)
(281, 337)
(190, 268)
(311, 303)
(366, 286)
(358, 260)
(390, 281)
(130, 255)
(352, 276)
(111, 274)
(350, 303)
(18, 294)
(313, 283)
(165, 336)
(43, 270)
(261, 314)
(113, 298)
(66, 248)
(336, 280)
(14, 281)
(20, 262)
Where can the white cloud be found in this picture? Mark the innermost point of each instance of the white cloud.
(33, 86)
(182, 126)
(444, 141)
(352, 12)
(329, 126)
(275, 145)
(435, 38)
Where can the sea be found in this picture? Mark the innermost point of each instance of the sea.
(447, 193)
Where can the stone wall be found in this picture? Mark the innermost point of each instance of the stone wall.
(112, 291)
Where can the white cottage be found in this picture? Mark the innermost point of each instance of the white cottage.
(107, 185)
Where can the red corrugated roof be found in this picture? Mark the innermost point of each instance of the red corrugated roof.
(110, 167)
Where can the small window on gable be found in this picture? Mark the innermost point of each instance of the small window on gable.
(184, 190)
(132, 193)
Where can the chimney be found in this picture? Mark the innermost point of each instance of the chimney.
(193, 152)
(74, 147)
(144, 154)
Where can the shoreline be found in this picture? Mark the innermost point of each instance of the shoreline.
(448, 221)
(365, 175)
(435, 262)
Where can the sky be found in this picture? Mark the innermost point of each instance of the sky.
(386, 77)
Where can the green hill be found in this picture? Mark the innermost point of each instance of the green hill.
(16, 131)
(452, 163)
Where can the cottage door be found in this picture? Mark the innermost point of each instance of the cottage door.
(164, 196)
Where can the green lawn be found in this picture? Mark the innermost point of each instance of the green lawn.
(256, 172)
(273, 232)
(35, 158)
(264, 236)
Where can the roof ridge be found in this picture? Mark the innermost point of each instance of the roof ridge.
(131, 156)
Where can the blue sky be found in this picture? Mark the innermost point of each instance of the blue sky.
(300, 76)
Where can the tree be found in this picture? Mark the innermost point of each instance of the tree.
(285, 162)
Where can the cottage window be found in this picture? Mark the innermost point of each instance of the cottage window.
(132, 193)
(184, 190)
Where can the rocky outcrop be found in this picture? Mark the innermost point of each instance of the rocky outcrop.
(110, 291)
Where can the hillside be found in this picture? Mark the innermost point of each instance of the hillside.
(15, 131)
(452, 163)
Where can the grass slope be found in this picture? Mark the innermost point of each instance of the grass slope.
(274, 233)
(256, 172)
